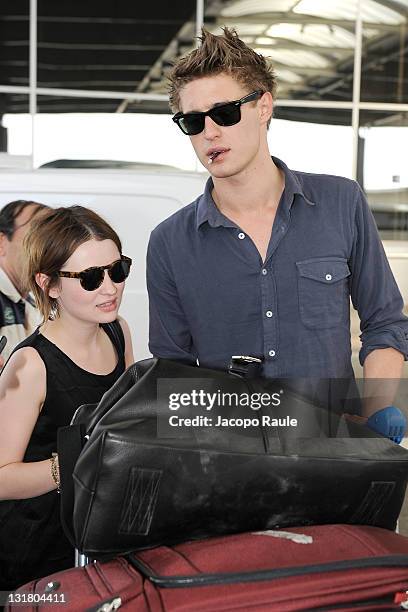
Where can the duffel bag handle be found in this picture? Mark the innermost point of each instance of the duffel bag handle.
(245, 366)
(70, 442)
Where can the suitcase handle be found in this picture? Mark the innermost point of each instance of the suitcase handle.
(195, 580)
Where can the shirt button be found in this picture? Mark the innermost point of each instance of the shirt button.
(269, 313)
(272, 353)
(264, 271)
(328, 277)
(241, 235)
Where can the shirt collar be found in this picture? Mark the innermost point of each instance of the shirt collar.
(7, 287)
(293, 186)
(208, 211)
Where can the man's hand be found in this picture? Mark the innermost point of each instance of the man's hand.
(389, 422)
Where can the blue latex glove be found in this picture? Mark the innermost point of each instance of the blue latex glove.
(390, 422)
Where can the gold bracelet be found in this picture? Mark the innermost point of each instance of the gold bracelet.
(55, 471)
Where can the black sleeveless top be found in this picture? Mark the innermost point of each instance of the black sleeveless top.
(32, 543)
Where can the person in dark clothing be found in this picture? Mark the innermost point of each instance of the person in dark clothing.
(265, 261)
(76, 271)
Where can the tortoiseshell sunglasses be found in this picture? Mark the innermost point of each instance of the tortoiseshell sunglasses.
(92, 278)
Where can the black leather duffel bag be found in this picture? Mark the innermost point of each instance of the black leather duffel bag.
(141, 482)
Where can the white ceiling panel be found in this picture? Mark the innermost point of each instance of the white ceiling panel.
(287, 76)
(314, 35)
(252, 7)
(265, 40)
(296, 57)
(372, 12)
(244, 29)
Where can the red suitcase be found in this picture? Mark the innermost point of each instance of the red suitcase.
(330, 567)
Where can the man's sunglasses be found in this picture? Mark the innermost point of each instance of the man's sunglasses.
(92, 278)
(223, 114)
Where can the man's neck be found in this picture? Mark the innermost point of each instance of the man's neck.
(255, 189)
(13, 281)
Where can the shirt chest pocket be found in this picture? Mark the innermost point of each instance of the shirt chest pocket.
(323, 291)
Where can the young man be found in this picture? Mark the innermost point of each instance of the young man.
(18, 315)
(264, 262)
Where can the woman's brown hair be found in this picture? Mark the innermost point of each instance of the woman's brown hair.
(53, 237)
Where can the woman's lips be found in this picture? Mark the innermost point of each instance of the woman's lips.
(108, 306)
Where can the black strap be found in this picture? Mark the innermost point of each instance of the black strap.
(70, 441)
(117, 334)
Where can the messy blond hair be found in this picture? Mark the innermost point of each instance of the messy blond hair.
(225, 53)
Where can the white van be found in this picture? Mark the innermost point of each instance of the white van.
(134, 198)
(133, 201)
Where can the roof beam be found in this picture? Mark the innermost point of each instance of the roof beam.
(168, 55)
(77, 67)
(367, 65)
(84, 93)
(277, 18)
(284, 43)
(94, 20)
(309, 70)
(85, 46)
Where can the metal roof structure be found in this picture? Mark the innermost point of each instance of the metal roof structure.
(129, 46)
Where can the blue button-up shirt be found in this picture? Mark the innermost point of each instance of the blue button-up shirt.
(211, 296)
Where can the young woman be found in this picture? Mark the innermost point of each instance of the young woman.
(76, 271)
